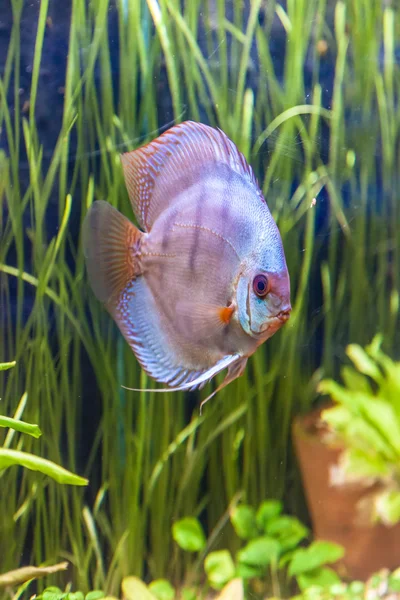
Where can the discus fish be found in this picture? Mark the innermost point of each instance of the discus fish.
(204, 282)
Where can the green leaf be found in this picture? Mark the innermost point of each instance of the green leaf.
(363, 362)
(338, 589)
(355, 381)
(134, 589)
(316, 555)
(9, 458)
(374, 348)
(269, 509)
(288, 530)
(162, 589)
(243, 519)
(53, 593)
(387, 506)
(358, 422)
(189, 534)
(190, 593)
(337, 418)
(8, 365)
(394, 581)
(322, 577)
(358, 464)
(260, 552)
(247, 572)
(380, 413)
(357, 587)
(76, 596)
(286, 558)
(220, 568)
(21, 426)
(94, 595)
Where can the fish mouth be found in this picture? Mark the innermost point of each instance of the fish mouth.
(274, 322)
(284, 314)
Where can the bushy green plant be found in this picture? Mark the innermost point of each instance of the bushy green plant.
(365, 422)
(55, 593)
(380, 585)
(271, 554)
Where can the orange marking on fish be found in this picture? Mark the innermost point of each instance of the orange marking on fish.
(225, 314)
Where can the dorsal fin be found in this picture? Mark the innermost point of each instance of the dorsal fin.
(156, 173)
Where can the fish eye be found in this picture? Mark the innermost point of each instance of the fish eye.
(260, 285)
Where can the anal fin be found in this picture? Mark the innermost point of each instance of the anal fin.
(204, 377)
(235, 370)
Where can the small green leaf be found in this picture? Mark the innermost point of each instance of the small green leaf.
(190, 593)
(338, 589)
(247, 572)
(49, 594)
(9, 458)
(286, 558)
(354, 380)
(21, 426)
(243, 519)
(387, 506)
(269, 509)
(356, 587)
(76, 596)
(394, 581)
(288, 530)
(358, 464)
(317, 554)
(95, 595)
(321, 577)
(220, 568)
(363, 362)
(189, 534)
(162, 589)
(374, 581)
(396, 574)
(381, 414)
(134, 589)
(260, 552)
(8, 365)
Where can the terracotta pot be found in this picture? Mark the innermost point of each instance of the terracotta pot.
(333, 510)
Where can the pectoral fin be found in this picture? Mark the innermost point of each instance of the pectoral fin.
(201, 319)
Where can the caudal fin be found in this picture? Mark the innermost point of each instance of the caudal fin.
(109, 242)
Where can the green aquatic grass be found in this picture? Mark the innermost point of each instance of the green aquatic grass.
(153, 458)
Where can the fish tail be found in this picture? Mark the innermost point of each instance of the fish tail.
(111, 246)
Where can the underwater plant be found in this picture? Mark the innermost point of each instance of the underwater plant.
(10, 457)
(273, 555)
(365, 423)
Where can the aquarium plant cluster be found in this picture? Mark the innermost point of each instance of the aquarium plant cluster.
(365, 421)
